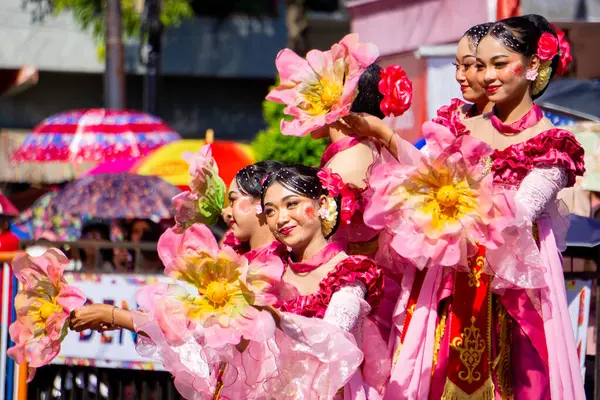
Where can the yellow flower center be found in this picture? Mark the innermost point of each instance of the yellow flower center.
(48, 309)
(216, 292)
(447, 196)
(330, 93)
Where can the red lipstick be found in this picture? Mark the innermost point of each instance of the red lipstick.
(286, 230)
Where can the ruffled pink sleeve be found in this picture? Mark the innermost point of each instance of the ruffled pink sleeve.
(352, 270)
(559, 148)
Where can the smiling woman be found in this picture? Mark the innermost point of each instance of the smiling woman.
(516, 58)
(302, 208)
(465, 72)
(243, 214)
(290, 203)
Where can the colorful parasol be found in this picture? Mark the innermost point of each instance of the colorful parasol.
(41, 218)
(167, 163)
(117, 196)
(94, 135)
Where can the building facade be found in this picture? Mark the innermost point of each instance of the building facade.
(216, 69)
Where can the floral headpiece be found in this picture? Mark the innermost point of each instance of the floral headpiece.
(319, 89)
(396, 89)
(336, 188)
(548, 47)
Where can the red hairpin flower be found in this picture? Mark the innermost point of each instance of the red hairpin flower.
(396, 89)
(547, 46)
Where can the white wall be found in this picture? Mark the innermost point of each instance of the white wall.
(441, 84)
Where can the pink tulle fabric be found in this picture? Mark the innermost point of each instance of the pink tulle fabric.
(555, 147)
(303, 358)
(314, 358)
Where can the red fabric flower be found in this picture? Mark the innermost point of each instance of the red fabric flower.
(396, 89)
(453, 122)
(350, 203)
(350, 199)
(564, 51)
(547, 46)
(331, 182)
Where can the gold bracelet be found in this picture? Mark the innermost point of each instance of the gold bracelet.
(112, 323)
(389, 140)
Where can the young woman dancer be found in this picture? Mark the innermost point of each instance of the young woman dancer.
(303, 212)
(478, 102)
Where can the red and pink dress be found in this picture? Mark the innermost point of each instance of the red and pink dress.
(532, 350)
(346, 298)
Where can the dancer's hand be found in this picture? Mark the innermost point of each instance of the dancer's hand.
(97, 317)
(334, 131)
(365, 124)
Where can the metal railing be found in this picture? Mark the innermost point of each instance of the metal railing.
(83, 383)
(71, 249)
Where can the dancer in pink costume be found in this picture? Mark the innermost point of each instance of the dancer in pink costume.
(321, 109)
(531, 332)
(302, 211)
(307, 357)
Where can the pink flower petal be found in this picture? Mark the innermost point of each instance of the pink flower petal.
(365, 54)
(197, 238)
(70, 298)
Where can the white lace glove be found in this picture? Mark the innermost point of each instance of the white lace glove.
(347, 306)
(539, 188)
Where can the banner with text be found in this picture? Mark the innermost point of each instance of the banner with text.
(112, 349)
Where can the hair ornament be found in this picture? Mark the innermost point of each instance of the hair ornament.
(564, 52)
(328, 212)
(396, 89)
(349, 198)
(264, 179)
(531, 75)
(547, 49)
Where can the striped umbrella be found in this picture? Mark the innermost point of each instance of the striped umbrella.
(94, 135)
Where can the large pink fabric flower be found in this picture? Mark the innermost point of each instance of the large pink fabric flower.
(440, 207)
(228, 288)
(320, 89)
(204, 202)
(43, 308)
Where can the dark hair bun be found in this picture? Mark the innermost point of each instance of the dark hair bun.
(369, 98)
(250, 179)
